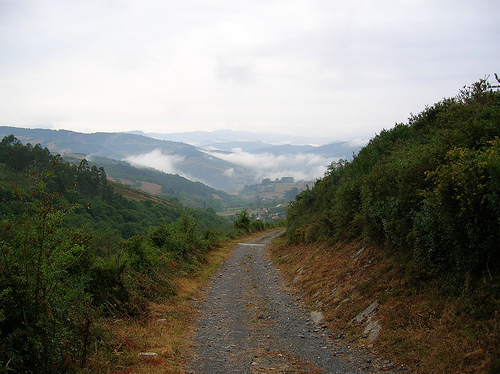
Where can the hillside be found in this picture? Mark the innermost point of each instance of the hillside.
(269, 190)
(222, 163)
(163, 185)
(174, 157)
(111, 206)
(399, 247)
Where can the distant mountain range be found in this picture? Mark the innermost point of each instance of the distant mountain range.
(218, 160)
(199, 138)
(228, 140)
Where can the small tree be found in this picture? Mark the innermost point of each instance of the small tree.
(44, 308)
(243, 221)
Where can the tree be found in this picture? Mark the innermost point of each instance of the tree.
(44, 308)
(243, 221)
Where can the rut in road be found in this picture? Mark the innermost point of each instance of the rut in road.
(250, 323)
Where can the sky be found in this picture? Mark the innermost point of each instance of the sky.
(326, 68)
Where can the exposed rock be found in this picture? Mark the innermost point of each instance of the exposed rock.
(358, 253)
(317, 317)
(372, 330)
(367, 312)
(299, 273)
(373, 327)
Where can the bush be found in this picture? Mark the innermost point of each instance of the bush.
(242, 222)
(44, 308)
(427, 190)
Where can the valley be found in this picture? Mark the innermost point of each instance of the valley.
(395, 249)
(220, 163)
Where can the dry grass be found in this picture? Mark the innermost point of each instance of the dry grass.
(421, 329)
(159, 341)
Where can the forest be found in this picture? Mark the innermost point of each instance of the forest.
(74, 251)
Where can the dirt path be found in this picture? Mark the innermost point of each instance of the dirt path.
(251, 323)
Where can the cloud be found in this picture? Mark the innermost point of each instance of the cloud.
(157, 160)
(170, 164)
(229, 172)
(302, 166)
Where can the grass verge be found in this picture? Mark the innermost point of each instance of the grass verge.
(415, 325)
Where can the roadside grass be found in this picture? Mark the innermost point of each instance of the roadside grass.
(160, 341)
(422, 329)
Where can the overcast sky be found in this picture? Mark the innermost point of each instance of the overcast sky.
(338, 69)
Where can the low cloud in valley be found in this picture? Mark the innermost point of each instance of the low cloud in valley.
(159, 161)
(302, 166)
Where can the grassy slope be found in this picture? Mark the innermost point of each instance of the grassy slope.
(421, 330)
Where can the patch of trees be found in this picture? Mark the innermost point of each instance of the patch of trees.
(245, 224)
(84, 179)
(428, 191)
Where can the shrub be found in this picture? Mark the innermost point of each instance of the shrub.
(427, 190)
(44, 308)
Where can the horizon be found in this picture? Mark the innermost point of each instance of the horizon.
(253, 136)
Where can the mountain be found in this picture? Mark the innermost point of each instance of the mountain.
(251, 146)
(168, 156)
(217, 159)
(222, 136)
(260, 143)
(332, 150)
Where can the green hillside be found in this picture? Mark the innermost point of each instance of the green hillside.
(189, 160)
(427, 189)
(163, 185)
(420, 204)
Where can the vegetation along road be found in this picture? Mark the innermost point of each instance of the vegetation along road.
(250, 322)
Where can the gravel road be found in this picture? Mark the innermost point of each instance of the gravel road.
(250, 322)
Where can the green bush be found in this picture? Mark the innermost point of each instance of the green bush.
(242, 222)
(427, 190)
(44, 307)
